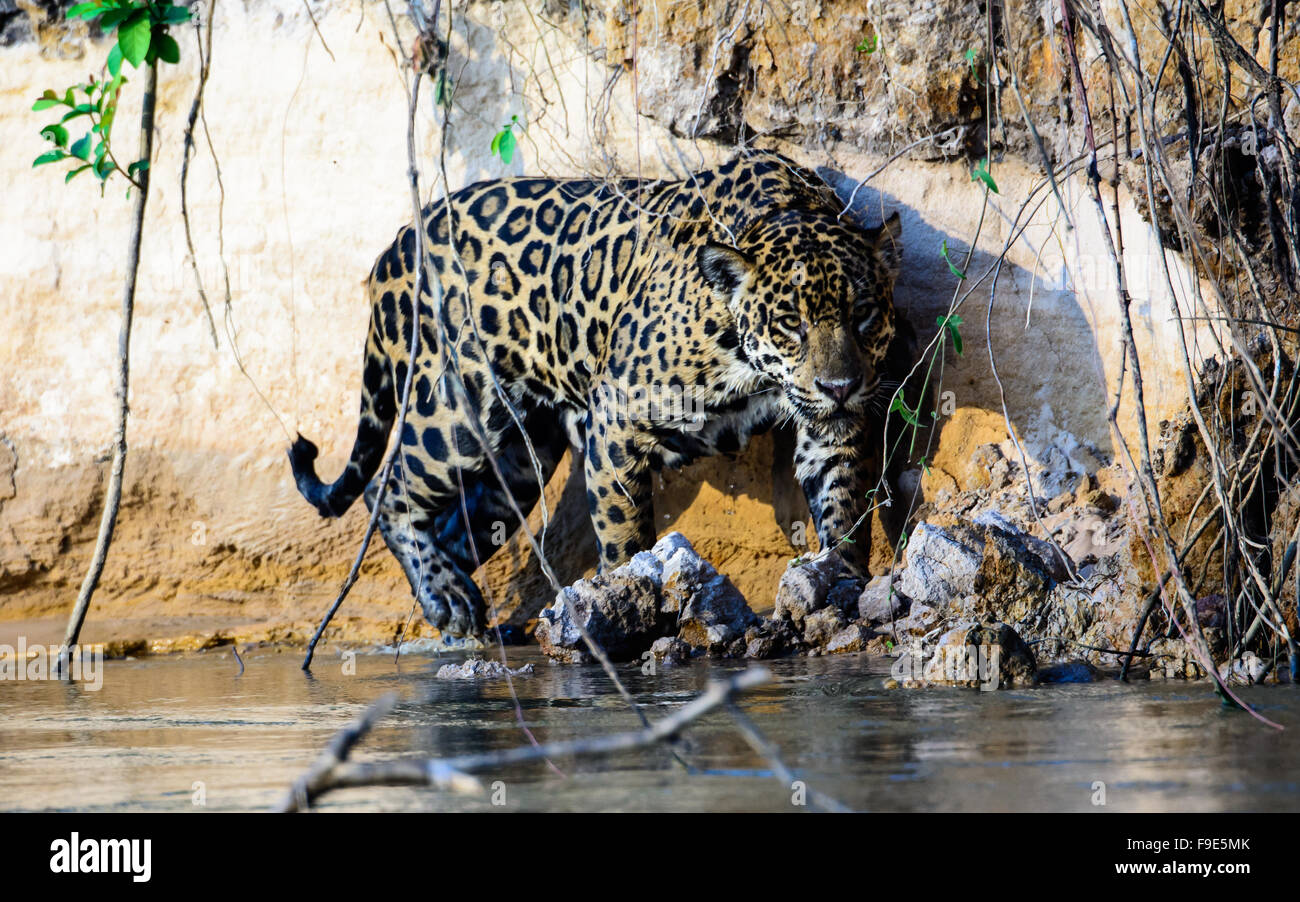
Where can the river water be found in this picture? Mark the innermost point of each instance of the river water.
(189, 733)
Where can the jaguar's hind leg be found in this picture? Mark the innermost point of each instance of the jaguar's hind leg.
(437, 552)
(492, 518)
(439, 579)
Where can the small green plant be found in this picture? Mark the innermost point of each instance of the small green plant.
(981, 173)
(443, 90)
(970, 58)
(952, 323)
(141, 29)
(503, 143)
(899, 406)
(869, 44)
(952, 267)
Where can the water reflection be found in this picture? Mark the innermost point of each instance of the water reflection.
(161, 729)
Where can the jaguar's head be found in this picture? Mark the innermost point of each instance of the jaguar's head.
(812, 298)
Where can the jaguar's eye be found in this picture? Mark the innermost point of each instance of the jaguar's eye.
(870, 319)
(793, 325)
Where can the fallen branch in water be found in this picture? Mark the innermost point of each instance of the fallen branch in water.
(333, 771)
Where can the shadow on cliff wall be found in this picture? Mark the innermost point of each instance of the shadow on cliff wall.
(1048, 364)
(477, 69)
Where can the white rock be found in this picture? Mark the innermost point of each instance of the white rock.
(937, 567)
(670, 544)
(645, 564)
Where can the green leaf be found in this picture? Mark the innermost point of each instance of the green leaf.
(57, 134)
(114, 18)
(137, 166)
(868, 44)
(506, 147)
(44, 104)
(982, 173)
(943, 252)
(52, 156)
(900, 407)
(952, 322)
(135, 36)
(85, 10)
(442, 92)
(115, 60)
(970, 58)
(168, 50)
(175, 15)
(81, 149)
(76, 172)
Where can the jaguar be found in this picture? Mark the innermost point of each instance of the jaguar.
(644, 323)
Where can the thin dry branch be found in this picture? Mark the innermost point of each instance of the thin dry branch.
(113, 495)
(333, 770)
(412, 353)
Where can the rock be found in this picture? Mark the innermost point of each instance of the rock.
(974, 655)
(1013, 580)
(478, 669)
(670, 545)
(644, 563)
(1027, 548)
(639, 606)
(981, 570)
(937, 567)
(710, 611)
(772, 638)
(821, 625)
(853, 638)
(670, 650)
(1247, 670)
(920, 620)
(881, 601)
(983, 463)
(619, 610)
(1075, 670)
(805, 587)
(1174, 660)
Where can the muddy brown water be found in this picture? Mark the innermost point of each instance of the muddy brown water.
(187, 733)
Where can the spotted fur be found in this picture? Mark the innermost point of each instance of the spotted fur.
(738, 289)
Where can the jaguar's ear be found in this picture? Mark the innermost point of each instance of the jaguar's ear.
(724, 268)
(888, 245)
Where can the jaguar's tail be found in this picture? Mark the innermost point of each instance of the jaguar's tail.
(378, 410)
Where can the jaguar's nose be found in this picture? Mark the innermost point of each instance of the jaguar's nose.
(839, 390)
